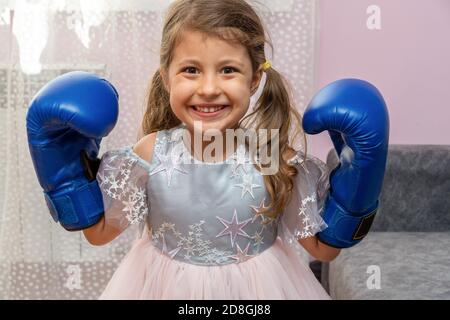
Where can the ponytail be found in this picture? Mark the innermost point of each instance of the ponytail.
(274, 110)
(158, 115)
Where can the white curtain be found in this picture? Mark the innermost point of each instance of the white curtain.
(41, 39)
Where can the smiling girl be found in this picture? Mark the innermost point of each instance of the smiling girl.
(220, 229)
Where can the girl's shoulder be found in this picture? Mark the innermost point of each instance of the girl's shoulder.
(145, 146)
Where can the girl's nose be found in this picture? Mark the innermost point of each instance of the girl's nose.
(208, 86)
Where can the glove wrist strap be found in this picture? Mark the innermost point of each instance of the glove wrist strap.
(78, 208)
(345, 229)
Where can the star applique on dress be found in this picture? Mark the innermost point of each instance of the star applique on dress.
(233, 228)
(235, 172)
(241, 255)
(247, 185)
(310, 226)
(265, 220)
(171, 253)
(169, 164)
(258, 212)
(238, 161)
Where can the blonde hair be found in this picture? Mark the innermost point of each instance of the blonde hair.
(233, 20)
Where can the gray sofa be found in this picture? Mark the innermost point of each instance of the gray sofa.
(406, 255)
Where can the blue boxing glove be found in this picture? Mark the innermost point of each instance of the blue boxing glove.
(66, 121)
(355, 115)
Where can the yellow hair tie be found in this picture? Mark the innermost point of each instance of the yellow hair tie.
(266, 65)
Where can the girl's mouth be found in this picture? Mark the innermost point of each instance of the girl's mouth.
(208, 111)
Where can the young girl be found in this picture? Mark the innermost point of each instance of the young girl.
(213, 229)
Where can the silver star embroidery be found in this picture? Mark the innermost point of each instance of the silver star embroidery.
(176, 135)
(258, 238)
(167, 163)
(114, 184)
(242, 255)
(309, 226)
(235, 170)
(171, 253)
(129, 205)
(258, 211)
(233, 228)
(247, 185)
(113, 157)
(238, 160)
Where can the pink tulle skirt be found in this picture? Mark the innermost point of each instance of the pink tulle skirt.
(276, 273)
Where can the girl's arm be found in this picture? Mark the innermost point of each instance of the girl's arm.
(319, 250)
(102, 233)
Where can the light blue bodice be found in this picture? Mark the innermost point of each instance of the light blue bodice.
(206, 213)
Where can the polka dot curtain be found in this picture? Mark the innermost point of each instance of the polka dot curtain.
(42, 39)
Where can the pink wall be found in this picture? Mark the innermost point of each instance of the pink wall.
(408, 59)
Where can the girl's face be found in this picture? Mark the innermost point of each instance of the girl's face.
(210, 80)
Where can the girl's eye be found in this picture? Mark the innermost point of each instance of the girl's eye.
(193, 70)
(190, 70)
(229, 69)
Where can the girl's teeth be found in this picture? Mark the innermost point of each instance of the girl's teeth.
(208, 109)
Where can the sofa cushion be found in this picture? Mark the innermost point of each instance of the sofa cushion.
(411, 265)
